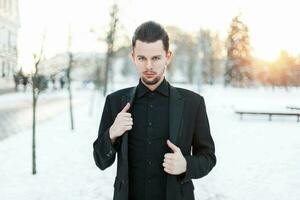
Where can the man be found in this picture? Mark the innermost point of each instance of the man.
(152, 127)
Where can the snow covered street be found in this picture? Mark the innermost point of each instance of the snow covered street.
(256, 158)
(16, 110)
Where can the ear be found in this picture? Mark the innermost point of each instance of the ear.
(132, 56)
(169, 57)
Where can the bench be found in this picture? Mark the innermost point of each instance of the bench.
(293, 108)
(270, 114)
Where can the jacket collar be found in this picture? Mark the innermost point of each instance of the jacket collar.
(142, 89)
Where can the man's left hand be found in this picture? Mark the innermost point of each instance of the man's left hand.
(174, 163)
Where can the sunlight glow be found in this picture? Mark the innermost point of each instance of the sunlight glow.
(272, 25)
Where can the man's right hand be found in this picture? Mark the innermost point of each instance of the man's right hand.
(122, 123)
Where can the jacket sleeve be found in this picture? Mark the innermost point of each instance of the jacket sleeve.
(203, 158)
(104, 151)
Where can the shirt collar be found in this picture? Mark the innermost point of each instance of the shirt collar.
(163, 88)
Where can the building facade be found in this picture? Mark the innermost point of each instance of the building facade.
(9, 25)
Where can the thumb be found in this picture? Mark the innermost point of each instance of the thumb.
(126, 108)
(172, 146)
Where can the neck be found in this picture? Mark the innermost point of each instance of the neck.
(153, 87)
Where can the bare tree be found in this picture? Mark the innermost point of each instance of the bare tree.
(184, 50)
(210, 52)
(69, 79)
(110, 41)
(39, 83)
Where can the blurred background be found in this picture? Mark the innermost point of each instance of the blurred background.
(60, 58)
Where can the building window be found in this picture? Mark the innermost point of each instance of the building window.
(3, 69)
(8, 67)
(1, 37)
(9, 40)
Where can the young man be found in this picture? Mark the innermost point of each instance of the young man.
(152, 127)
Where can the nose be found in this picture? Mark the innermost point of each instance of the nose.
(149, 65)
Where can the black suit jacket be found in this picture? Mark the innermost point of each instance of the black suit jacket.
(189, 130)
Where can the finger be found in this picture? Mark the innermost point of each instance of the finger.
(128, 128)
(168, 160)
(168, 164)
(168, 171)
(169, 155)
(126, 108)
(128, 123)
(125, 114)
(172, 146)
(128, 119)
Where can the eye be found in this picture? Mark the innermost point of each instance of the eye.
(156, 58)
(141, 58)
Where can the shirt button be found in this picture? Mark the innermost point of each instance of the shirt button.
(150, 123)
(149, 142)
(151, 106)
(149, 181)
(149, 163)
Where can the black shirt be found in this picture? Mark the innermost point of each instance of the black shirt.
(148, 143)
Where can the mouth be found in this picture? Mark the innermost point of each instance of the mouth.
(149, 74)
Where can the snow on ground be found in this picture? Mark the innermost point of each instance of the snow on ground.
(65, 165)
(256, 158)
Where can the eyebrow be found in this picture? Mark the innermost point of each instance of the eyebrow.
(141, 56)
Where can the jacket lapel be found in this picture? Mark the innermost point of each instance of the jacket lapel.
(176, 104)
(125, 99)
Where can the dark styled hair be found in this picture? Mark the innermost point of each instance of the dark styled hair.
(151, 32)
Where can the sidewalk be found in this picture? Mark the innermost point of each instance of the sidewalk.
(6, 86)
(16, 109)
